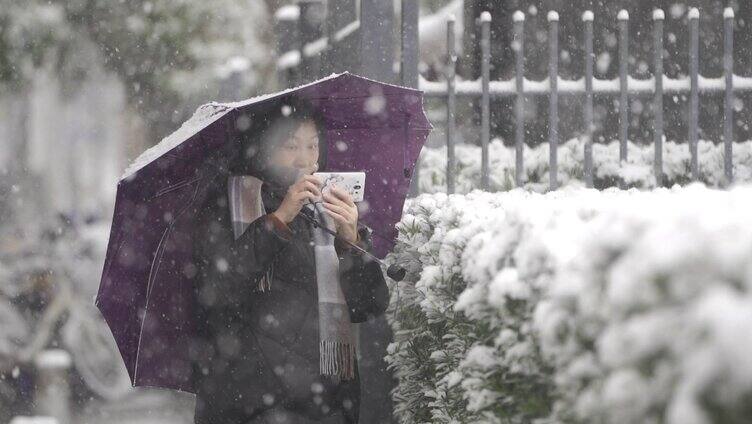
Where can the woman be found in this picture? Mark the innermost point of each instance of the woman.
(258, 292)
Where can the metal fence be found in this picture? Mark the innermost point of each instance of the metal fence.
(624, 86)
(317, 51)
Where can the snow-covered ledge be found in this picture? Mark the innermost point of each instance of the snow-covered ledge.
(33, 420)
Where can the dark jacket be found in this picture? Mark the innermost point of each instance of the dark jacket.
(260, 349)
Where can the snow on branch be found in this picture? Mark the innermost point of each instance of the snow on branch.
(577, 305)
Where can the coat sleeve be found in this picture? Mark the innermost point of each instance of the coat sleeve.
(362, 279)
(229, 267)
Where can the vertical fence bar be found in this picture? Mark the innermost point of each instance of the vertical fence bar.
(519, 106)
(377, 40)
(410, 44)
(409, 60)
(485, 127)
(340, 54)
(587, 19)
(374, 44)
(623, 19)
(728, 112)
(451, 118)
(658, 17)
(329, 28)
(694, 41)
(286, 19)
(345, 52)
(310, 26)
(553, 110)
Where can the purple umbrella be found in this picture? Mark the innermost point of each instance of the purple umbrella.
(146, 289)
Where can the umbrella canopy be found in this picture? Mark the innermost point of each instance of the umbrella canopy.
(146, 288)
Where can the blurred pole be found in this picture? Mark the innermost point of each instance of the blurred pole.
(410, 44)
(587, 19)
(231, 87)
(658, 17)
(52, 397)
(485, 133)
(329, 28)
(519, 106)
(623, 19)
(375, 47)
(694, 41)
(311, 27)
(338, 56)
(73, 168)
(377, 40)
(286, 20)
(343, 15)
(409, 66)
(451, 102)
(728, 111)
(553, 109)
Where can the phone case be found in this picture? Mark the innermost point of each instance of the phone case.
(352, 182)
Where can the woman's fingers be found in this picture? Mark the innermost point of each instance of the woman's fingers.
(342, 195)
(351, 209)
(307, 184)
(304, 180)
(313, 179)
(346, 213)
(311, 187)
(345, 227)
(337, 208)
(331, 198)
(304, 196)
(341, 220)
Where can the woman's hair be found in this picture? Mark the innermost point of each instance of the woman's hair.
(270, 127)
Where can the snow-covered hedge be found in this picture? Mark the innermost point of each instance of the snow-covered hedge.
(577, 305)
(637, 171)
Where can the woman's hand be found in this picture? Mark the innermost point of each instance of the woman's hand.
(339, 205)
(306, 188)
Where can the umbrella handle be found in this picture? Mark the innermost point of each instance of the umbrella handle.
(394, 271)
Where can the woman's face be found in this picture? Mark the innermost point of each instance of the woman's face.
(301, 151)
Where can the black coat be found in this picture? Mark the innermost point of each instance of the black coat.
(259, 350)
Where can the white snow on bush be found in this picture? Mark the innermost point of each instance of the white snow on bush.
(53, 358)
(576, 305)
(637, 171)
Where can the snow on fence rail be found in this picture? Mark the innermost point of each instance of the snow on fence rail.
(624, 86)
(577, 305)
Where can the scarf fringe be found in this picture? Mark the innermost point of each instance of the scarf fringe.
(265, 282)
(337, 358)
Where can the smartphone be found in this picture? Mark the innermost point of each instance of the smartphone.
(352, 182)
